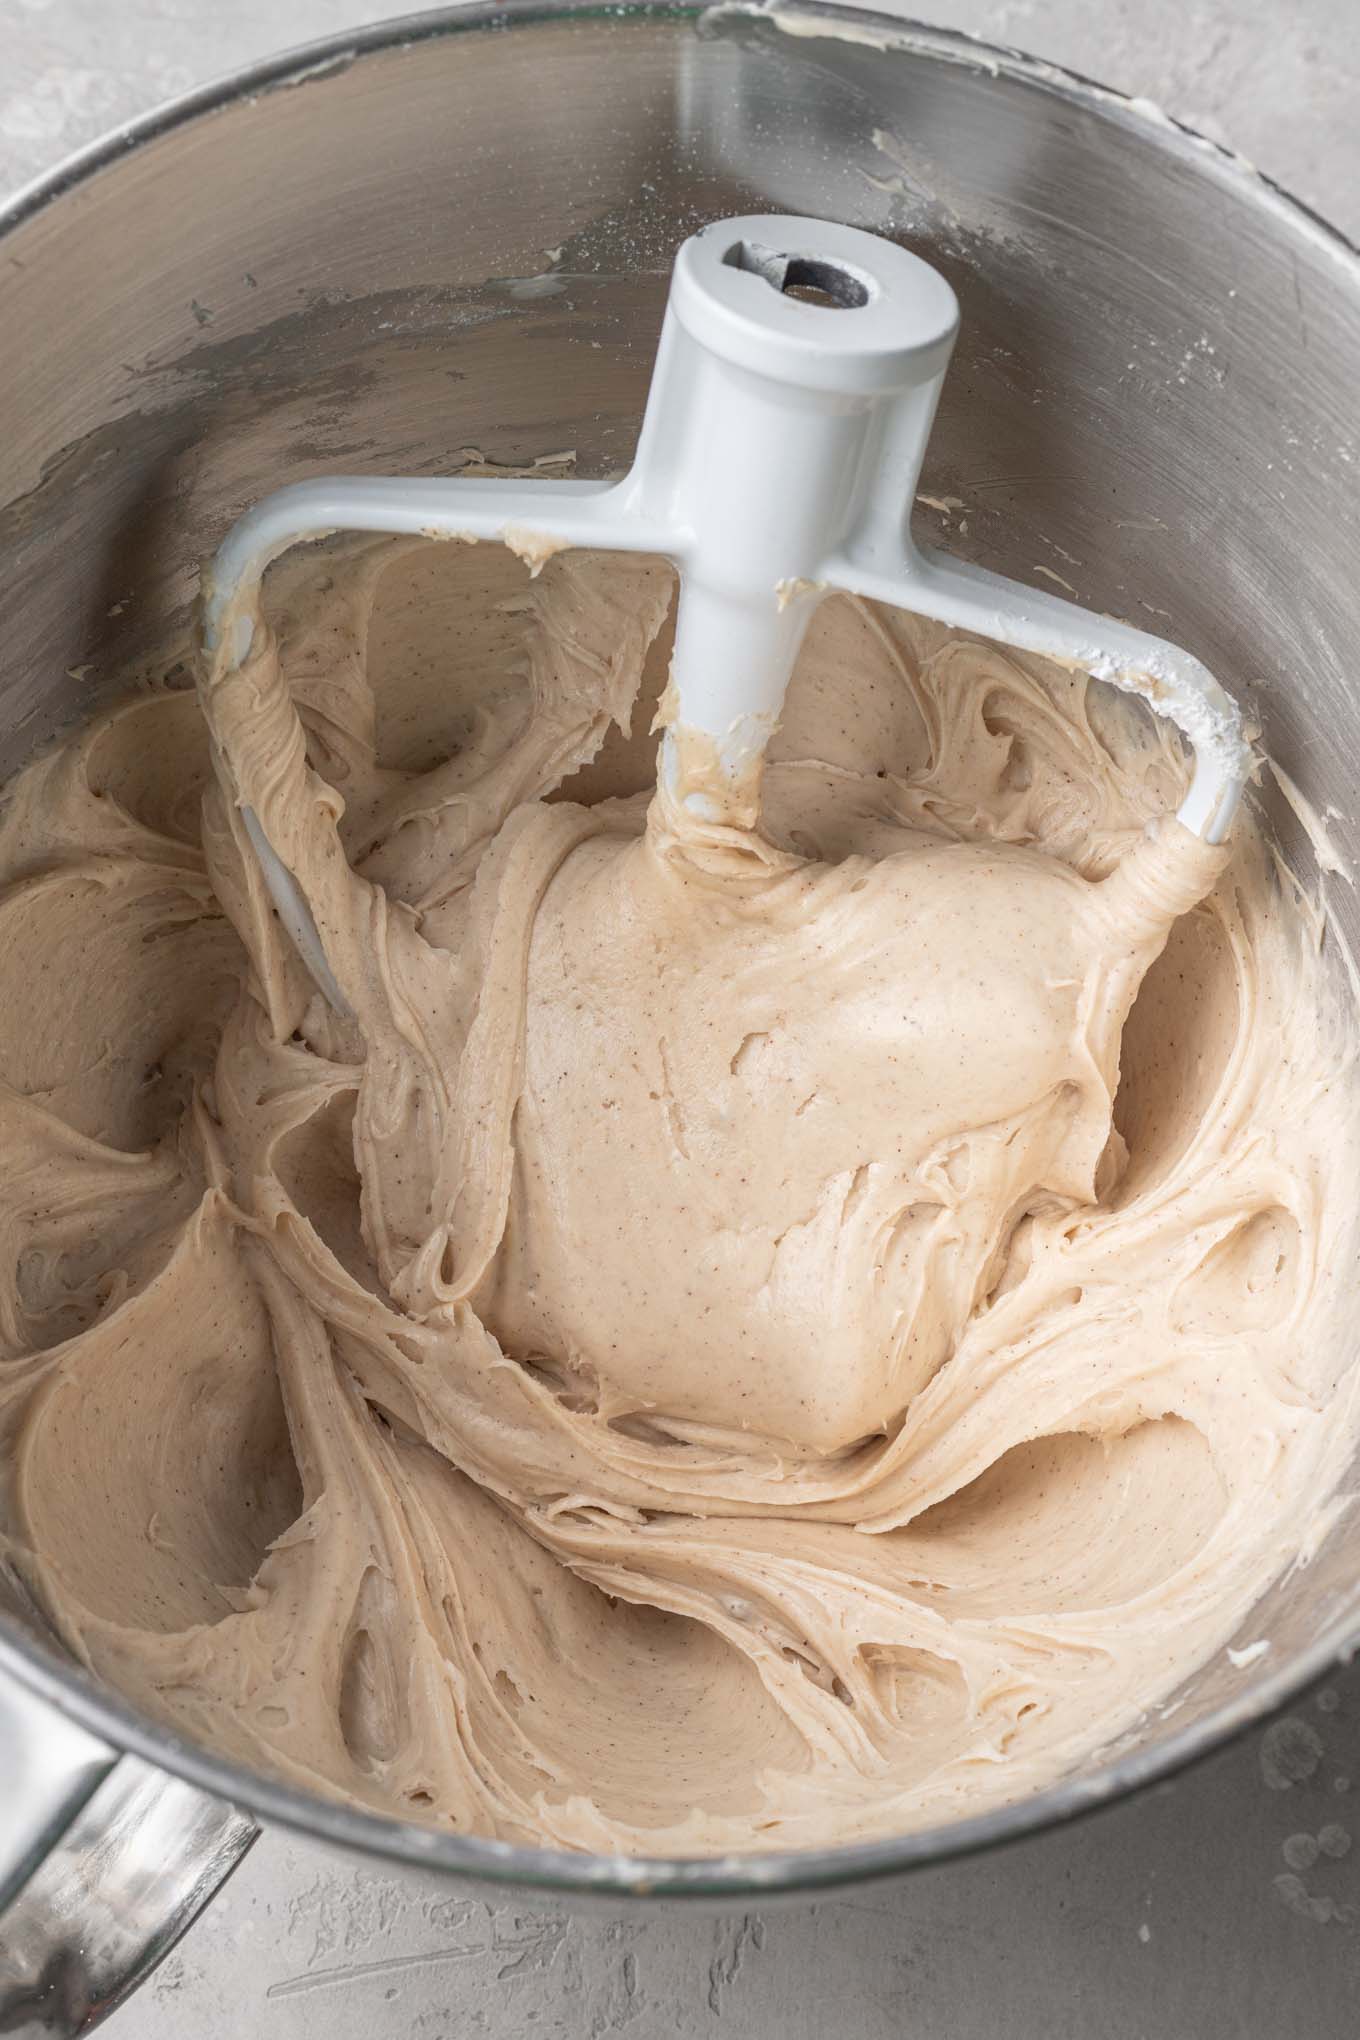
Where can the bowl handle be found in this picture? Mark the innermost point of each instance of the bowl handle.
(104, 1861)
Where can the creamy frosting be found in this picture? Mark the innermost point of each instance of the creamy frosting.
(746, 1335)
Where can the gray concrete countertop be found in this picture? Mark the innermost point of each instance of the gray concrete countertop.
(1224, 1906)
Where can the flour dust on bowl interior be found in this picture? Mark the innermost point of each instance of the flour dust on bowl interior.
(511, 325)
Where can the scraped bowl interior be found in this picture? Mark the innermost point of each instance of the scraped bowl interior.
(452, 246)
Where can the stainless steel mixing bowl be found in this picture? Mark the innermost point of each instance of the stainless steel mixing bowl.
(454, 232)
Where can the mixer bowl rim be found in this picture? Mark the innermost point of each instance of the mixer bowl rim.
(68, 1688)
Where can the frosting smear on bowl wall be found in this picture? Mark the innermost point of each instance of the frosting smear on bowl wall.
(743, 1335)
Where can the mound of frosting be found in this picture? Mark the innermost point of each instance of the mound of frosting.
(745, 1335)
